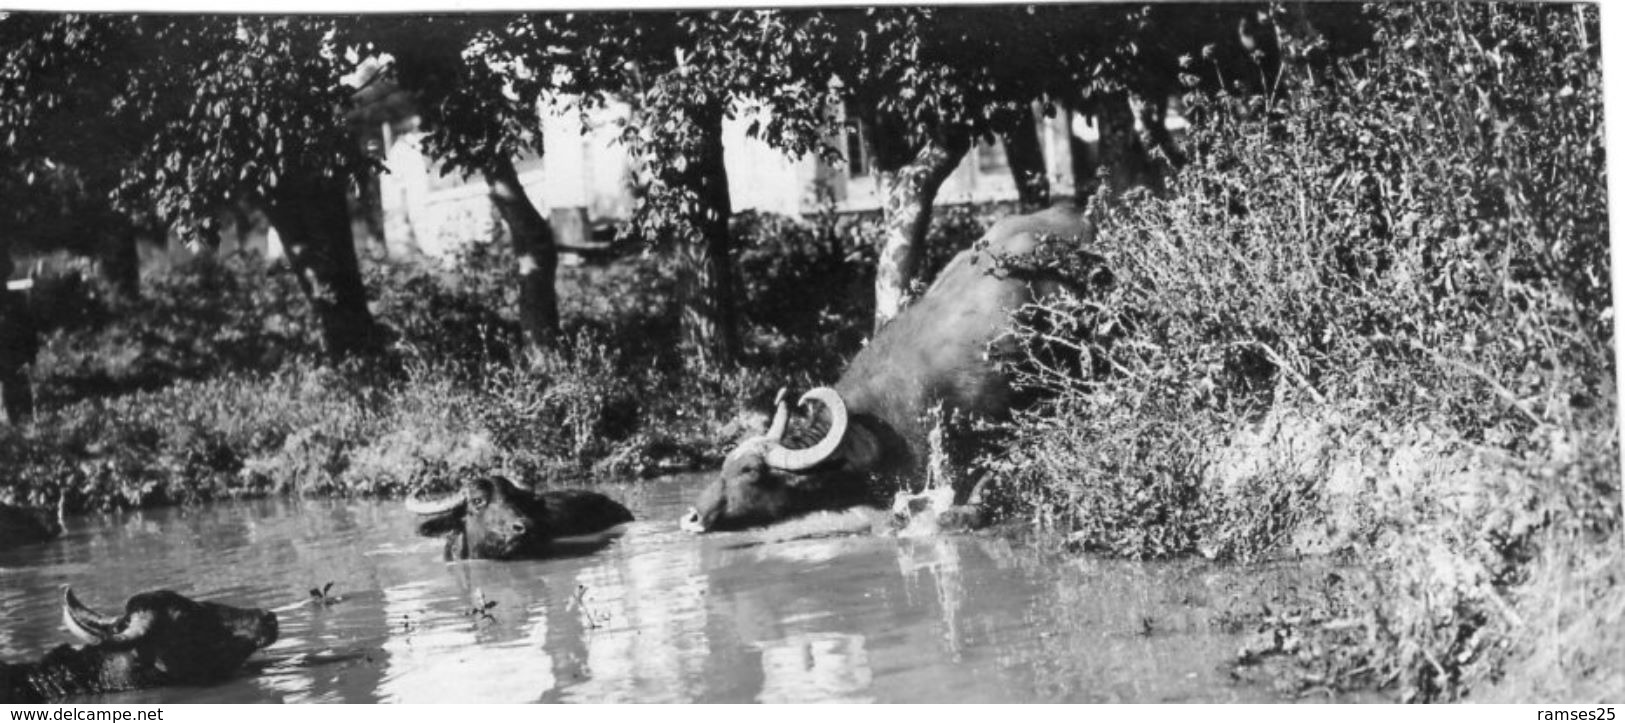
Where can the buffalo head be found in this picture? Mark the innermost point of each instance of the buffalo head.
(163, 638)
(763, 481)
(183, 640)
(493, 518)
(23, 526)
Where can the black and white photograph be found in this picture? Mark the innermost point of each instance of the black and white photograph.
(1114, 352)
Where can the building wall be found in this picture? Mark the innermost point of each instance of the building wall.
(432, 214)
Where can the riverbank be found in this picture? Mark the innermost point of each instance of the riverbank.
(1373, 322)
(210, 385)
(208, 388)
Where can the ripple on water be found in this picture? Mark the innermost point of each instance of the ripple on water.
(819, 609)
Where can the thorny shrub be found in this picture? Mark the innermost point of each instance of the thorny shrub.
(1420, 244)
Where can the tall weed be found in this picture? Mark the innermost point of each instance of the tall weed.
(1372, 316)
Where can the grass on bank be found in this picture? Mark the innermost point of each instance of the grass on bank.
(209, 385)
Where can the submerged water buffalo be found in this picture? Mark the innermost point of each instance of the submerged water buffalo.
(933, 355)
(24, 526)
(163, 638)
(493, 518)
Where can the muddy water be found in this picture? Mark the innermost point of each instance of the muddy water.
(801, 613)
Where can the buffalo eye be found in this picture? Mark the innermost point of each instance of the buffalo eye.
(478, 502)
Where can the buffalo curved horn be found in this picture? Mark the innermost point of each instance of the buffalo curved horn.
(433, 507)
(94, 627)
(781, 416)
(795, 460)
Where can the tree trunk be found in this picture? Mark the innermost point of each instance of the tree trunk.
(370, 204)
(535, 252)
(1025, 154)
(19, 343)
(311, 214)
(710, 316)
(121, 260)
(1084, 162)
(1151, 111)
(909, 193)
(888, 142)
(1120, 153)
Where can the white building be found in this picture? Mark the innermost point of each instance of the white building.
(583, 178)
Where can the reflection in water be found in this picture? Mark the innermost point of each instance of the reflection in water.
(457, 650)
(787, 615)
(938, 559)
(824, 667)
(644, 626)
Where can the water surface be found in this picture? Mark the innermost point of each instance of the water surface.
(656, 616)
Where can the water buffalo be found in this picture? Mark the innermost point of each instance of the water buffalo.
(493, 518)
(23, 526)
(936, 354)
(163, 638)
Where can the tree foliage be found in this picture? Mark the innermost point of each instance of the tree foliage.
(222, 109)
(63, 153)
(237, 105)
(685, 78)
(479, 82)
(480, 85)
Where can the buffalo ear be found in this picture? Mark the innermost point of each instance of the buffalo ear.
(445, 524)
